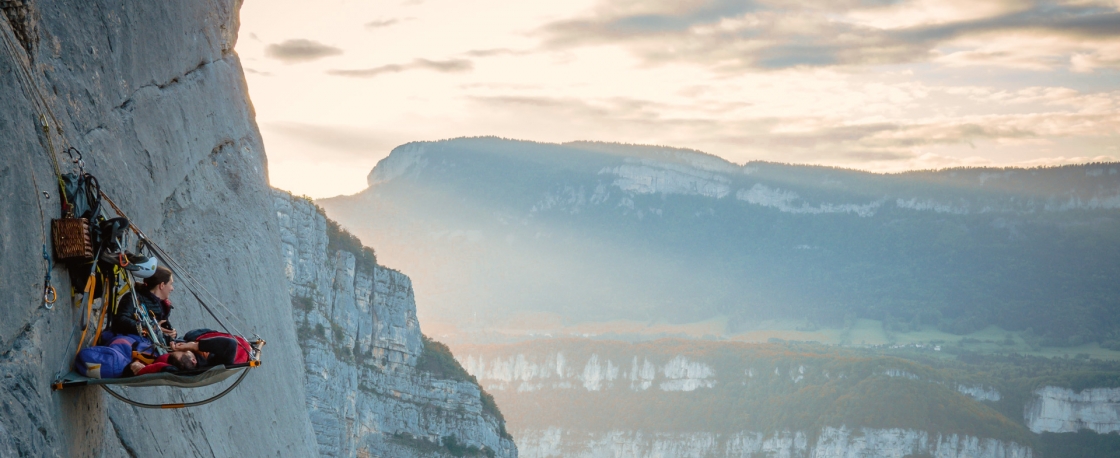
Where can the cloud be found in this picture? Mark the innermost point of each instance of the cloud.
(300, 50)
(381, 23)
(878, 155)
(441, 66)
(1089, 61)
(734, 35)
(495, 52)
(1054, 120)
(930, 161)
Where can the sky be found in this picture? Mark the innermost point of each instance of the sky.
(876, 85)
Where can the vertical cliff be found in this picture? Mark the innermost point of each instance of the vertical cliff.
(362, 346)
(154, 95)
(1062, 410)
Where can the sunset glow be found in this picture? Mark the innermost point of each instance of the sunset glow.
(877, 86)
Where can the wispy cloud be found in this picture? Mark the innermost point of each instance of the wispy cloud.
(300, 50)
(382, 23)
(1058, 117)
(442, 66)
(737, 34)
(495, 52)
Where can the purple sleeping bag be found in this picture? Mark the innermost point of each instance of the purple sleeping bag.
(109, 361)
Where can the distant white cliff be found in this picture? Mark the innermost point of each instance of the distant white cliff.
(830, 443)
(1062, 410)
(523, 373)
(791, 202)
(979, 392)
(649, 177)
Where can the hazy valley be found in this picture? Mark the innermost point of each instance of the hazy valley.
(823, 312)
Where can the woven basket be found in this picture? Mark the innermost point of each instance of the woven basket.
(71, 239)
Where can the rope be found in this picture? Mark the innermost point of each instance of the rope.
(69, 345)
(178, 405)
(191, 281)
(179, 270)
(144, 318)
(188, 280)
(111, 298)
(57, 170)
(35, 94)
(91, 285)
(50, 294)
(25, 66)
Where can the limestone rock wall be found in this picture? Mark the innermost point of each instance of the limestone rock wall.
(361, 342)
(1062, 410)
(830, 443)
(154, 96)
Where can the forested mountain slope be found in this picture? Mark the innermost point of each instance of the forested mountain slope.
(581, 232)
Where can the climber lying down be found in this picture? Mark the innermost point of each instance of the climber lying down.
(128, 355)
(206, 347)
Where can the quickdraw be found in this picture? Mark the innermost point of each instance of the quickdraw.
(50, 295)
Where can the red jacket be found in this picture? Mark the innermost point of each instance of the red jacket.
(216, 348)
(219, 354)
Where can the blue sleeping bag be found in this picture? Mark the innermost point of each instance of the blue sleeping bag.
(110, 361)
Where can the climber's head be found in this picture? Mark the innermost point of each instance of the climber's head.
(184, 360)
(161, 283)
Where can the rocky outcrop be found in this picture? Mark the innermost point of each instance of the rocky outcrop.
(829, 443)
(154, 96)
(361, 344)
(980, 392)
(1062, 410)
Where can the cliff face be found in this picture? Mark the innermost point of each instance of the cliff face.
(830, 443)
(153, 94)
(721, 399)
(1062, 410)
(361, 343)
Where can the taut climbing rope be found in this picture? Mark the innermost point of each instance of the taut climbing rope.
(192, 284)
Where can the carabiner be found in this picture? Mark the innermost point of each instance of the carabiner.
(50, 295)
(70, 151)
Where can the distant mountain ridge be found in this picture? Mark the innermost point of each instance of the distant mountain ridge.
(590, 231)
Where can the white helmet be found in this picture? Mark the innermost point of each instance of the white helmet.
(142, 266)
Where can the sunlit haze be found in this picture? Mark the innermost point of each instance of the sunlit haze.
(880, 86)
